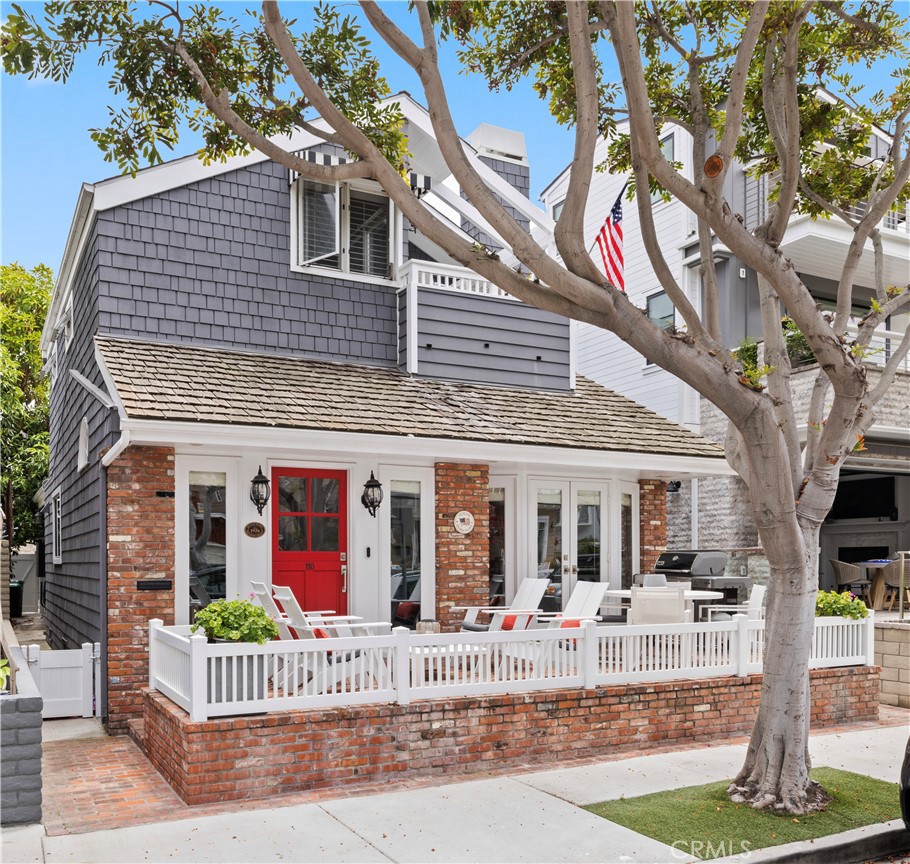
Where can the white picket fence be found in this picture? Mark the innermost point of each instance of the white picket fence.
(215, 680)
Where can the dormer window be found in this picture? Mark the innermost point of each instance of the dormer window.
(341, 227)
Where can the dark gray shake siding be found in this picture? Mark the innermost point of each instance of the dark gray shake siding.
(518, 176)
(73, 608)
(462, 337)
(209, 263)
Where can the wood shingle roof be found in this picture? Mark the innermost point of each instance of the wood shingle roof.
(184, 383)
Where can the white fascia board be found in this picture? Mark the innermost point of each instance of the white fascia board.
(163, 432)
(190, 169)
(897, 434)
(80, 230)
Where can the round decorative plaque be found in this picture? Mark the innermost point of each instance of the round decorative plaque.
(254, 529)
(464, 521)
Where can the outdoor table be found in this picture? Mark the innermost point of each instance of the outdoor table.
(877, 593)
(691, 596)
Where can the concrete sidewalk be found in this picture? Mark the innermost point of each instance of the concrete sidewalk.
(516, 818)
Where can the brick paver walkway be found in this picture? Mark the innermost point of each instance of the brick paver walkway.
(97, 783)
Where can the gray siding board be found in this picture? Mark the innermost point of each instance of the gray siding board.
(210, 263)
(460, 326)
(73, 589)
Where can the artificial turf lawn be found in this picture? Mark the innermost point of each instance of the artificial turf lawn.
(703, 822)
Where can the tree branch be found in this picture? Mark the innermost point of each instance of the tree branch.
(815, 419)
(569, 234)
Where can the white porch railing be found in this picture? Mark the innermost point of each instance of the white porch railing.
(449, 277)
(215, 680)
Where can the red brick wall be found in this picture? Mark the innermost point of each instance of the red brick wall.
(462, 560)
(652, 496)
(140, 538)
(257, 756)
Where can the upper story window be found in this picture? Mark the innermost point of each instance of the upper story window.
(668, 149)
(341, 227)
(557, 209)
(660, 310)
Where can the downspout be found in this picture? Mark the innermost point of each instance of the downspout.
(119, 446)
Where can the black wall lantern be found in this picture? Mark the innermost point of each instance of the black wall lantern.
(372, 494)
(260, 491)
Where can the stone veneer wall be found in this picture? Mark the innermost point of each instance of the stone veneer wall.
(291, 751)
(892, 653)
(462, 560)
(140, 539)
(20, 748)
(652, 500)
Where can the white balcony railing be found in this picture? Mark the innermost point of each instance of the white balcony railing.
(881, 347)
(212, 680)
(448, 277)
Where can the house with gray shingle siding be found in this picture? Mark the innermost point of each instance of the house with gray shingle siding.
(216, 323)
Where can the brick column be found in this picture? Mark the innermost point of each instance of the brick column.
(653, 528)
(140, 546)
(462, 560)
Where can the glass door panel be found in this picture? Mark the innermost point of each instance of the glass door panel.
(208, 538)
(551, 549)
(405, 549)
(497, 545)
(588, 530)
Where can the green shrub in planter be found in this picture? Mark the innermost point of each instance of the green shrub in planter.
(235, 621)
(846, 605)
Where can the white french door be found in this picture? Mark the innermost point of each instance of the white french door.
(569, 535)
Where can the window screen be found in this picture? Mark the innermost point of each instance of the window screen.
(317, 224)
(369, 227)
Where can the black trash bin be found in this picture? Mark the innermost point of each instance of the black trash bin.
(15, 598)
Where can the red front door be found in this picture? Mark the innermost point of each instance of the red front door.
(309, 536)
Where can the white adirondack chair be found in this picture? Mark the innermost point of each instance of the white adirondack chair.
(754, 609)
(518, 615)
(583, 605)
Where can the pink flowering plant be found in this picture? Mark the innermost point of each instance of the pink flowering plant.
(235, 621)
(846, 605)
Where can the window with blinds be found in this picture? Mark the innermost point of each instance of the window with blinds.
(341, 228)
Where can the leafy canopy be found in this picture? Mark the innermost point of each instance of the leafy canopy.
(23, 394)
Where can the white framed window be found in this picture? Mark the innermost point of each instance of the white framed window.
(66, 327)
(345, 227)
(661, 310)
(82, 453)
(557, 209)
(57, 526)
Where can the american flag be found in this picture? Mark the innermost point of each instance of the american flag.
(609, 241)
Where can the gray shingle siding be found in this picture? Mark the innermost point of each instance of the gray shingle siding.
(209, 263)
(518, 176)
(73, 608)
(461, 337)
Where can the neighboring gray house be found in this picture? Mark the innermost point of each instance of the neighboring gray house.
(213, 322)
(712, 513)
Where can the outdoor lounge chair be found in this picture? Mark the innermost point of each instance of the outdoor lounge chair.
(518, 615)
(849, 577)
(753, 609)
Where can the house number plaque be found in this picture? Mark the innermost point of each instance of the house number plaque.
(254, 529)
(464, 521)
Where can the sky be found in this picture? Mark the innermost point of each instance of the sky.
(47, 152)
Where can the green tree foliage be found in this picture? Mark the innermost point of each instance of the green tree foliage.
(23, 396)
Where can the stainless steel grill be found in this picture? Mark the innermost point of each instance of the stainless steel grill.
(705, 569)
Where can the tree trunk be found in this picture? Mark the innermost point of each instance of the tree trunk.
(776, 769)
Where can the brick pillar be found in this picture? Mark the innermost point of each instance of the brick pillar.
(653, 528)
(462, 560)
(140, 545)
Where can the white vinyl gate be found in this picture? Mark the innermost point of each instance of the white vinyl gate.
(68, 681)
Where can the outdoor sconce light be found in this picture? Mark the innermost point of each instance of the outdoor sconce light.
(372, 494)
(260, 492)
(674, 485)
(420, 184)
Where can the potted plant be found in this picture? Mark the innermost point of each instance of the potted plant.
(846, 605)
(235, 621)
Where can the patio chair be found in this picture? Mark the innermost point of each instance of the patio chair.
(753, 609)
(849, 577)
(518, 615)
(891, 574)
(264, 596)
(659, 606)
(583, 605)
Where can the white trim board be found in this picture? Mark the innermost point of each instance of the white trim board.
(628, 464)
